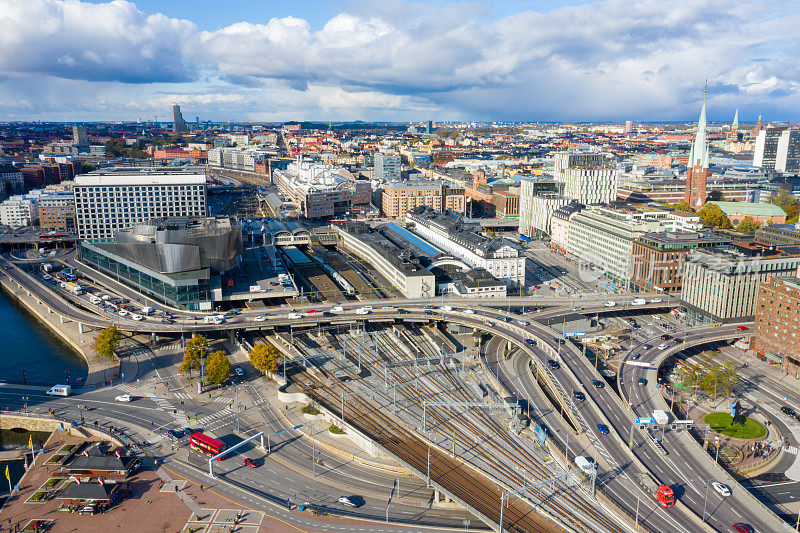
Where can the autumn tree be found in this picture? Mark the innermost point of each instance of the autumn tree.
(217, 367)
(788, 203)
(265, 357)
(712, 215)
(683, 207)
(715, 196)
(106, 342)
(196, 351)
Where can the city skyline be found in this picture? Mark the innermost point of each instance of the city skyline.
(411, 61)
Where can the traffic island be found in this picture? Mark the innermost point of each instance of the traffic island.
(722, 423)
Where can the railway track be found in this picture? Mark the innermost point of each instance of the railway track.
(452, 474)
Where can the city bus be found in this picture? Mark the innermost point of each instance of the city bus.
(208, 445)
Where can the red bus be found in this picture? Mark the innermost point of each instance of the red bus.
(203, 443)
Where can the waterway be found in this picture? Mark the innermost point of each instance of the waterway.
(32, 354)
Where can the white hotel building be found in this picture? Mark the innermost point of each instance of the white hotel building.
(107, 202)
(499, 256)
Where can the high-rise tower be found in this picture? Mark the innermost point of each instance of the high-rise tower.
(178, 123)
(697, 169)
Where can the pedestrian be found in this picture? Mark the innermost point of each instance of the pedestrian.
(202, 489)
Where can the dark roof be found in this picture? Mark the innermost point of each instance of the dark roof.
(99, 462)
(87, 491)
(565, 211)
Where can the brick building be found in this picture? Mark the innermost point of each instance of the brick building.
(57, 212)
(777, 318)
(506, 203)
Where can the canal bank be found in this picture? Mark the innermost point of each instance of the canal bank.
(74, 341)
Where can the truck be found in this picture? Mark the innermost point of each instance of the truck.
(74, 288)
(147, 310)
(213, 319)
(59, 390)
(587, 467)
(661, 417)
(663, 493)
(638, 301)
(47, 267)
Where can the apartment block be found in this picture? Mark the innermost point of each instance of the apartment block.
(400, 197)
(777, 317)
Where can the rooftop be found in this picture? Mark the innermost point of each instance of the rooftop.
(746, 208)
(145, 177)
(386, 243)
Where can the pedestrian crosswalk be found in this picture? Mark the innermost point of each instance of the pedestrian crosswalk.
(166, 405)
(219, 415)
(793, 450)
(182, 395)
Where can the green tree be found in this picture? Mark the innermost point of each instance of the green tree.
(683, 207)
(265, 357)
(196, 350)
(106, 342)
(87, 167)
(748, 225)
(715, 196)
(712, 215)
(217, 367)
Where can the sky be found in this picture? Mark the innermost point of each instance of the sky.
(399, 60)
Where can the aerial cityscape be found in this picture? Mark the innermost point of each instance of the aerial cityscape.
(399, 267)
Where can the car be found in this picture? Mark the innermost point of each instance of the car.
(647, 346)
(662, 346)
(167, 321)
(191, 318)
(175, 433)
(387, 307)
(635, 355)
(238, 371)
(577, 308)
(490, 323)
(469, 311)
(610, 303)
(578, 395)
(560, 341)
(743, 528)
(531, 342)
(249, 462)
(787, 411)
(676, 340)
(536, 287)
(345, 500)
(123, 398)
(598, 384)
(123, 312)
(259, 318)
(665, 337)
(721, 488)
(655, 301)
(742, 328)
(137, 317)
(311, 311)
(552, 363)
(642, 382)
(602, 429)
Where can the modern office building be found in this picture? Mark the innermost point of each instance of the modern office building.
(241, 159)
(586, 176)
(535, 210)
(778, 148)
(400, 197)
(398, 264)
(499, 256)
(387, 167)
(779, 234)
(80, 137)
(601, 238)
(173, 261)
(178, 123)
(321, 190)
(776, 336)
(106, 202)
(657, 259)
(720, 284)
(559, 226)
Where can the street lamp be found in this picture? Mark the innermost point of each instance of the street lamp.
(705, 502)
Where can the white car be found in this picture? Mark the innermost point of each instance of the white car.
(662, 346)
(123, 398)
(259, 318)
(123, 312)
(723, 489)
(656, 301)
(469, 311)
(137, 317)
(344, 500)
(387, 307)
(610, 303)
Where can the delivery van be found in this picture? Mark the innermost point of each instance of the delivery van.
(586, 466)
(59, 390)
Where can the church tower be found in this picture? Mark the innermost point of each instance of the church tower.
(734, 134)
(697, 169)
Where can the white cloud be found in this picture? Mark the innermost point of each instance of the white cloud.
(613, 59)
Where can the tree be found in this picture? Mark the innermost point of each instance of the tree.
(217, 367)
(715, 196)
(748, 225)
(265, 357)
(684, 207)
(87, 167)
(196, 350)
(788, 203)
(106, 342)
(712, 215)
